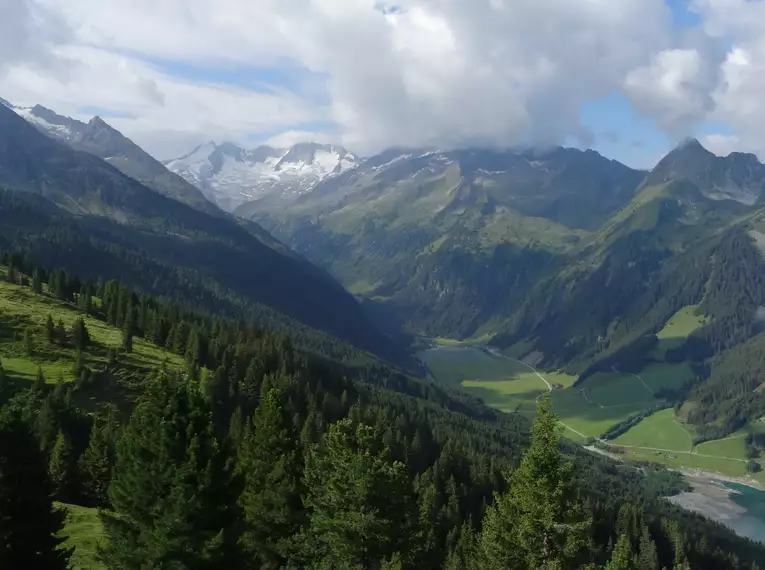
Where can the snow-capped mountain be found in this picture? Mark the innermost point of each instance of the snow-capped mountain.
(230, 175)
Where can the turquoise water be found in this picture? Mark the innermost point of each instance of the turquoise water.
(752, 524)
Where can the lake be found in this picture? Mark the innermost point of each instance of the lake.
(752, 523)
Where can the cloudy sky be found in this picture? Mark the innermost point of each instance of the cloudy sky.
(626, 77)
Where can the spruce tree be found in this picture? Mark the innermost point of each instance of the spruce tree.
(61, 333)
(96, 464)
(37, 281)
(50, 330)
(62, 469)
(537, 522)
(270, 464)
(648, 558)
(173, 491)
(621, 557)
(80, 334)
(6, 388)
(360, 502)
(127, 336)
(30, 525)
(39, 385)
(29, 348)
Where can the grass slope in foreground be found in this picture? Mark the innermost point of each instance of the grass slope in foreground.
(83, 531)
(22, 311)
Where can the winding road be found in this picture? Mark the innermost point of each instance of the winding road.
(543, 379)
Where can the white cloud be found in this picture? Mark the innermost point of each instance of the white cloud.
(28, 32)
(675, 88)
(738, 97)
(419, 72)
(165, 115)
(290, 138)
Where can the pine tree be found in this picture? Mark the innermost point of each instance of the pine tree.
(80, 334)
(6, 388)
(127, 333)
(79, 363)
(96, 465)
(648, 558)
(463, 556)
(62, 470)
(621, 557)
(537, 523)
(173, 491)
(61, 333)
(270, 464)
(50, 330)
(360, 501)
(36, 281)
(39, 385)
(28, 342)
(30, 525)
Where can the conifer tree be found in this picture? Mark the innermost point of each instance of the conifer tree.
(648, 558)
(463, 556)
(62, 469)
(173, 491)
(28, 342)
(46, 424)
(37, 281)
(621, 557)
(61, 333)
(270, 464)
(5, 384)
(127, 333)
(360, 502)
(537, 523)
(50, 330)
(80, 334)
(96, 464)
(39, 385)
(30, 525)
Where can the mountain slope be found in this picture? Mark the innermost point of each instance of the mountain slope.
(450, 241)
(738, 176)
(230, 175)
(100, 139)
(162, 243)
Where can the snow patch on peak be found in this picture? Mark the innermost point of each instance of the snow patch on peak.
(47, 121)
(230, 175)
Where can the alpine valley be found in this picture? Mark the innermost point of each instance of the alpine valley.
(645, 290)
(421, 360)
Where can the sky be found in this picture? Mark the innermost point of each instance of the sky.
(629, 78)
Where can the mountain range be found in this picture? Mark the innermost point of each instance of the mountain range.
(68, 208)
(230, 175)
(100, 139)
(559, 255)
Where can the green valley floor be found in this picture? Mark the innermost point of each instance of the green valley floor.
(605, 399)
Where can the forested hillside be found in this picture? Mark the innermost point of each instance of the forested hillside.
(471, 246)
(72, 210)
(239, 451)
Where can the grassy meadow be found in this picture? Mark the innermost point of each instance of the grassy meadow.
(83, 530)
(600, 402)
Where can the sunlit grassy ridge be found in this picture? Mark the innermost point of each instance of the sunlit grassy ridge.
(83, 530)
(22, 310)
